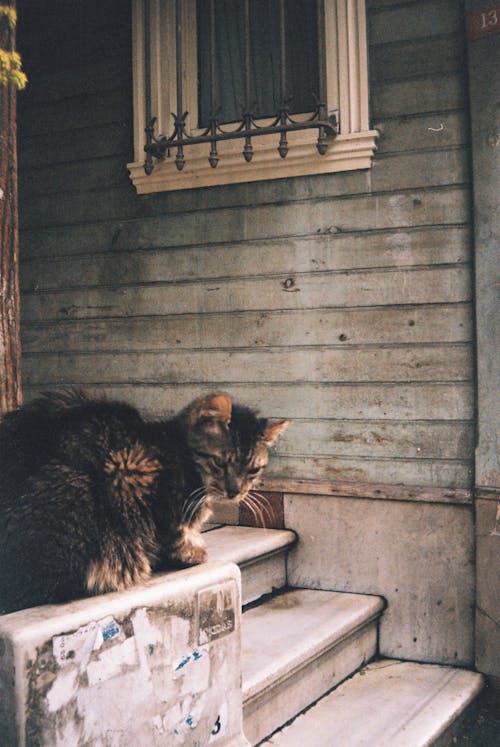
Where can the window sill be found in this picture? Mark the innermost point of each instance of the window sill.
(345, 153)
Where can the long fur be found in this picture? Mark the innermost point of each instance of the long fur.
(93, 498)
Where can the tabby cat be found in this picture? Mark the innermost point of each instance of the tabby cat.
(93, 497)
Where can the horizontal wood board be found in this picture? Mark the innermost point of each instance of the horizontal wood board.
(343, 301)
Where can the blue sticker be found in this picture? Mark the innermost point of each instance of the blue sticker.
(195, 656)
(110, 630)
(182, 663)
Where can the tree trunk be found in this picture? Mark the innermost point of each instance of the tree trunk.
(10, 348)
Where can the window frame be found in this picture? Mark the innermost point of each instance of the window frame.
(347, 97)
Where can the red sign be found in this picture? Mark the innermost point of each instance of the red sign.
(484, 22)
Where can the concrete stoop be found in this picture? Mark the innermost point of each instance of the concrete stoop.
(389, 703)
(297, 646)
(174, 662)
(260, 554)
(302, 643)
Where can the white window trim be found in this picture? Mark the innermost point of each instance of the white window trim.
(347, 94)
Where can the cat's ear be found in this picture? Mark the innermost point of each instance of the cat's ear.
(273, 428)
(211, 407)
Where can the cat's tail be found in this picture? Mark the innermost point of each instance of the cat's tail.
(54, 402)
(28, 433)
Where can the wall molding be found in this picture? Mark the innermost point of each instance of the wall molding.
(482, 493)
(374, 491)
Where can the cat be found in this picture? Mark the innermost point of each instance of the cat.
(94, 498)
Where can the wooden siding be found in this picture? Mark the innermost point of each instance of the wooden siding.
(341, 301)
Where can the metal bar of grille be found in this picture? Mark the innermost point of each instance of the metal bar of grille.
(180, 117)
(247, 118)
(178, 47)
(253, 131)
(213, 83)
(322, 110)
(147, 59)
(283, 143)
(150, 122)
(321, 53)
(247, 54)
(213, 157)
(282, 53)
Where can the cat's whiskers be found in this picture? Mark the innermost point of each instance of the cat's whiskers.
(262, 504)
(193, 507)
(263, 499)
(188, 500)
(257, 510)
(252, 509)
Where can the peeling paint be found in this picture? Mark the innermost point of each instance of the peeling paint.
(496, 529)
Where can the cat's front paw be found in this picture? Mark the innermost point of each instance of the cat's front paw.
(193, 554)
(192, 549)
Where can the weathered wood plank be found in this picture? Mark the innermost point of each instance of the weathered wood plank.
(360, 212)
(440, 473)
(319, 290)
(99, 76)
(108, 264)
(373, 5)
(256, 329)
(373, 439)
(125, 233)
(429, 401)
(442, 130)
(421, 20)
(426, 94)
(40, 154)
(60, 178)
(428, 169)
(406, 59)
(405, 364)
(88, 110)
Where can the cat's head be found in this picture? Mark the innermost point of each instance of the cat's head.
(229, 444)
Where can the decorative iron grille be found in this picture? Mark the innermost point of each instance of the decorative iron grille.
(160, 147)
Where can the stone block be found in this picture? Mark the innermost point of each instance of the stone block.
(419, 556)
(156, 665)
(488, 588)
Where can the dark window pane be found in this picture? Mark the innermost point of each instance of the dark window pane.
(265, 75)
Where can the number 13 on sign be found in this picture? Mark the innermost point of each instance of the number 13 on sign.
(484, 22)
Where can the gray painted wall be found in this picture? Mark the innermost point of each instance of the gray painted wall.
(342, 301)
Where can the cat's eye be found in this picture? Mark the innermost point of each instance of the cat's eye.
(254, 471)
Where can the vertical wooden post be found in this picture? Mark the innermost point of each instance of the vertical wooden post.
(10, 348)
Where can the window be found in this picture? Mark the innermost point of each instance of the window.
(252, 90)
(264, 71)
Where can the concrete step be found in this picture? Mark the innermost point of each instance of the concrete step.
(387, 704)
(260, 554)
(297, 646)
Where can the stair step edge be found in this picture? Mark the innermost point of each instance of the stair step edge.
(245, 545)
(275, 664)
(390, 703)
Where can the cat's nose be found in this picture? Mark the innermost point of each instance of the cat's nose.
(233, 487)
